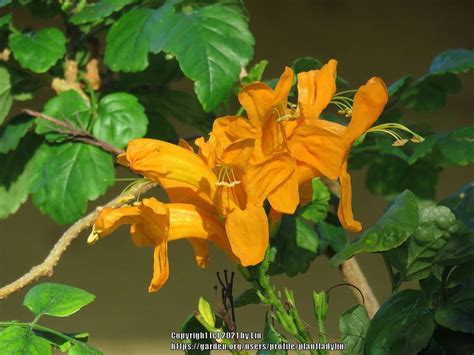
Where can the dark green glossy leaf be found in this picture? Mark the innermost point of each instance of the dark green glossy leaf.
(120, 119)
(436, 225)
(447, 342)
(40, 50)
(184, 107)
(396, 225)
(458, 146)
(400, 85)
(296, 244)
(460, 274)
(56, 300)
(353, 325)
(67, 106)
(457, 313)
(128, 41)
(429, 93)
(98, 11)
(20, 340)
(459, 250)
(403, 325)
(389, 176)
(17, 173)
(453, 61)
(212, 44)
(247, 297)
(6, 98)
(192, 325)
(331, 235)
(462, 204)
(70, 175)
(317, 209)
(13, 132)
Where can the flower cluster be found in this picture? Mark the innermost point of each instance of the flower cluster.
(218, 193)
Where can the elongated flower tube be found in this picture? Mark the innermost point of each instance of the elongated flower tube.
(153, 223)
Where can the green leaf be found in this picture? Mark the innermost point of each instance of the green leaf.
(321, 305)
(317, 209)
(6, 20)
(128, 41)
(296, 245)
(62, 343)
(436, 225)
(70, 175)
(462, 204)
(40, 50)
(396, 225)
(247, 297)
(6, 98)
(184, 107)
(83, 349)
(457, 313)
(388, 176)
(67, 106)
(20, 340)
(400, 85)
(458, 250)
(448, 342)
(255, 73)
(121, 118)
(212, 44)
(453, 61)
(17, 173)
(4, 3)
(458, 146)
(192, 325)
(331, 235)
(12, 133)
(98, 11)
(429, 93)
(403, 325)
(460, 274)
(271, 336)
(56, 300)
(353, 325)
(206, 312)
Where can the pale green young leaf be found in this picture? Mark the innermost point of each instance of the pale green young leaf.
(20, 340)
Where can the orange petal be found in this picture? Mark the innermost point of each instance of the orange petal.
(188, 221)
(160, 267)
(157, 159)
(283, 87)
(247, 231)
(153, 225)
(369, 103)
(320, 145)
(285, 198)
(201, 250)
(316, 89)
(238, 153)
(258, 100)
(260, 180)
(344, 210)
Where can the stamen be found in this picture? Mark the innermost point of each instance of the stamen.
(290, 111)
(226, 177)
(389, 128)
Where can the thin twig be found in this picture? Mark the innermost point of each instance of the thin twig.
(351, 271)
(75, 133)
(46, 268)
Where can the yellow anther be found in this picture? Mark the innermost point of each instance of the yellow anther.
(400, 142)
(288, 112)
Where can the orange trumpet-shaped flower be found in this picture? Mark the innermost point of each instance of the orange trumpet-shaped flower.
(154, 224)
(323, 145)
(225, 184)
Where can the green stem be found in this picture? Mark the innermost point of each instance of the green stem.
(240, 111)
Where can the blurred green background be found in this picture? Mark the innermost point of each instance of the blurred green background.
(368, 37)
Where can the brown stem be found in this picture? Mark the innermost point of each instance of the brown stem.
(46, 268)
(351, 271)
(75, 133)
